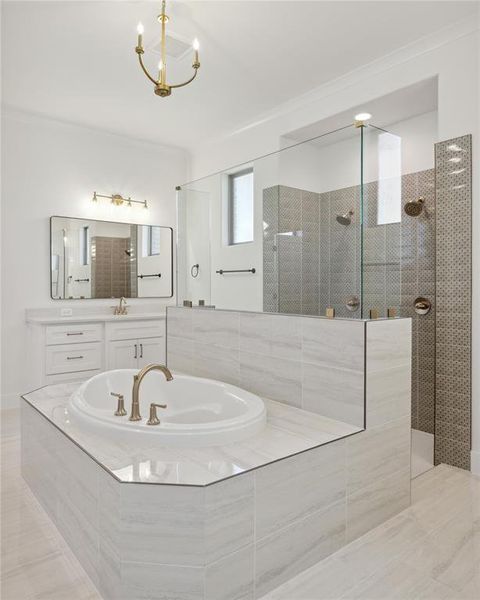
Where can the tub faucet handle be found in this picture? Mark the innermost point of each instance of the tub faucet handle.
(154, 420)
(120, 412)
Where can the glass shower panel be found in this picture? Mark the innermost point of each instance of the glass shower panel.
(312, 225)
(193, 240)
(306, 253)
(382, 208)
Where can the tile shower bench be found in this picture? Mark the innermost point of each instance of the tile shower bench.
(229, 521)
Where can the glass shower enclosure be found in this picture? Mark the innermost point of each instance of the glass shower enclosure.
(313, 229)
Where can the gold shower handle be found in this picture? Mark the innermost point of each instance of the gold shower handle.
(422, 305)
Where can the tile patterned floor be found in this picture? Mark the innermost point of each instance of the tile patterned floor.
(429, 551)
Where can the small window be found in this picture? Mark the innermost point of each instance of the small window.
(151, 240)
(389, 201)
(84, 245)
(240, 207)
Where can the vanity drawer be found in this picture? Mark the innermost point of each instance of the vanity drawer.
(133, 330)
(73, 358)
(73, 334)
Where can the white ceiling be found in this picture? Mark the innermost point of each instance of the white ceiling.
(386, 111)
(75, 61)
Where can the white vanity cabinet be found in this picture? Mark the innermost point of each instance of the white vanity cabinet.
(62, 350)
(133, 345)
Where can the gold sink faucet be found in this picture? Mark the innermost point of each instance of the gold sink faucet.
(121, 308)
(137, 380)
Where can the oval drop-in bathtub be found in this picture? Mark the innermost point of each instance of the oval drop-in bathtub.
(200, 412)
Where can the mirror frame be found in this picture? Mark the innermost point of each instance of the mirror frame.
(172, 276)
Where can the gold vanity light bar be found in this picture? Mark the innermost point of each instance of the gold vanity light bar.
(119, 200)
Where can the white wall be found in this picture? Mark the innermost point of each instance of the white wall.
(334, 163)
(452, 55)
(51, 168)
(151, 287)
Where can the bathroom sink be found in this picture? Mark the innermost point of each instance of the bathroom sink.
(200, 412)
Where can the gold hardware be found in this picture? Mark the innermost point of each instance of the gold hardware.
(121, 308)
(120, 412)
(392, 313)
(119, 200)
(374, 314)
(154, 420)
(330, 313)
(422, 305)
(162, 88)
(137, 380)
(352, 303)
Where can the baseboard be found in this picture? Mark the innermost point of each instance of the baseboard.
(8, 401)
(475, 462)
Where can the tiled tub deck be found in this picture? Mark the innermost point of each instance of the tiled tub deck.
(226, 522)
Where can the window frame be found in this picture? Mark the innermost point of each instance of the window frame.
(230, 209)
(85, 245)
(148, 245)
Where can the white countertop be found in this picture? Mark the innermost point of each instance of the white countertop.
(288, 431)
(94, 318)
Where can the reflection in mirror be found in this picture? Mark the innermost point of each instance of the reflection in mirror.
(310, 228)
(103, 259)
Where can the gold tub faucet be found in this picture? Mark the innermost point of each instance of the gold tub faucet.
(137, 380)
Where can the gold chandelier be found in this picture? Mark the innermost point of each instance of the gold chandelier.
(162, 88)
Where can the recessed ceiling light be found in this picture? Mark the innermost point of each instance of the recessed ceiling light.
(363, 116)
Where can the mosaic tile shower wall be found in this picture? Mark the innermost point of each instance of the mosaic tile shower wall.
(320, 265)
(453, 168)
(110, 267)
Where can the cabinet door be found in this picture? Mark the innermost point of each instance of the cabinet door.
(123, 354)
(151, 350)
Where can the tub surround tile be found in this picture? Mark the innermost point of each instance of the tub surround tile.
(321, 342)
(389, 395)
(232, 577)
(305, 424)
(321, 474)
(293, 549)
(313, 484)
(335, 393)
(142, 581)
(377, 453)
(381, 353)
(229, 516)
(289, 432)
(377, 503)
(161, 524)
(275, 356)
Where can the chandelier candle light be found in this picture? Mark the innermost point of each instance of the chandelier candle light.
(162, 88)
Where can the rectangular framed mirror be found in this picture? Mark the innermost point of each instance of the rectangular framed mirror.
(103, 259)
